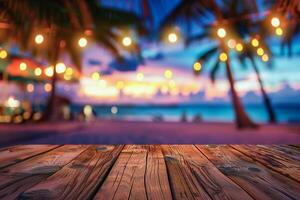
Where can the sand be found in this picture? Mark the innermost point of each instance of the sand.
(128, 132)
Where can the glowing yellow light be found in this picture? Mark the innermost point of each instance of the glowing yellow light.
(49, 71)
(239, 47)
(260, 51)
(23, 66)
(231, 43)
(221, 32)
(255, 42)
(172, 84)
(95, 76)
(47, 87)
(39, 39)
(275, 22)
(3, 54)
(38, 71)
(120, 85)
(172, 37)
(88, 110)
(69, 71)
(168, 74)
(279, 31)
(67, 77)
(114, 109)
(223, 57)
(30, 87)
(197, 66)
(82, 42)
(140, 76)
(127, 41)
(60, 68)
(265, 58)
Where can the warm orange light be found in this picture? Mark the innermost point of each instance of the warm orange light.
(223, 57)
(39, 39)
(221, 33)
(47, 87)
(82, 42)
(265, 58)
(231, 43)
(23, 66)
(30, 87)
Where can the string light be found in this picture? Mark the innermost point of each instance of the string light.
(127, 41)
(38, 71)
(49, 71)
(239, 47)
(39, 39)
(223, 57)
(168, 74)
(3, 54)
(82, 42)
(197, 66)
(221, 32)
(60, 68)
(96, 76)
(30, 87)
(279, 31)
(114, 109)
(69, 71)
(172, 37)
(255, 42)
(265, 58)
(260, 51)
(23, 66)
(47, 87)
(275, 22)
(231, 43)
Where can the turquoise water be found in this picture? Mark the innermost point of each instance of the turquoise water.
(284, 113)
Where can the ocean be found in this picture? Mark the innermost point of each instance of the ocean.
(221, 113)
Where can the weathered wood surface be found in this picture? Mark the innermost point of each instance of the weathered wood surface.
(150, 172)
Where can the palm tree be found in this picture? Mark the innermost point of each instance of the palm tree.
(204, 11)
(62, 23)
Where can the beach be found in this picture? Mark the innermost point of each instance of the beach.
(137, 132)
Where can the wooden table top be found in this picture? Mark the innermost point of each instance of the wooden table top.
(150, 172)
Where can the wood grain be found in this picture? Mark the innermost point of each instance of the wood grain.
(10, 156)
(126, 180)
(260, 182)
(80, 178)
(280, 162)
(21, 176)
(201, 175)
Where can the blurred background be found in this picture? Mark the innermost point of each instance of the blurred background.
(156, 61)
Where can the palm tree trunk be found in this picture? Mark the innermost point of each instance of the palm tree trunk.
(241, 117)
(267, 102)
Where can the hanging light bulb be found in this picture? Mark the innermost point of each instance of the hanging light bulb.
(23, 66)
(275, 22)
(265, 58)
(221, 32)
(60, 68)
(260, 51)
(49, 71)
(39, 39)
(279, 31)
(3, 54)
(254, 42)
(172, 37)
(197, 66)
(239, 47)
(223, 57)
(168, 74)
(38, 71)
(82, 42)
(127, 41)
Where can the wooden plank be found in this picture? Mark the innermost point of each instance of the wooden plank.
(79, 179)
(201, 177)
(12, 155)
(156, 178)
(259, 181)
(281, 163)
(126, 180)
(17, 178)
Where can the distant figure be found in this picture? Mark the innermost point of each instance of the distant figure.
(183, 117)
(197, 118)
